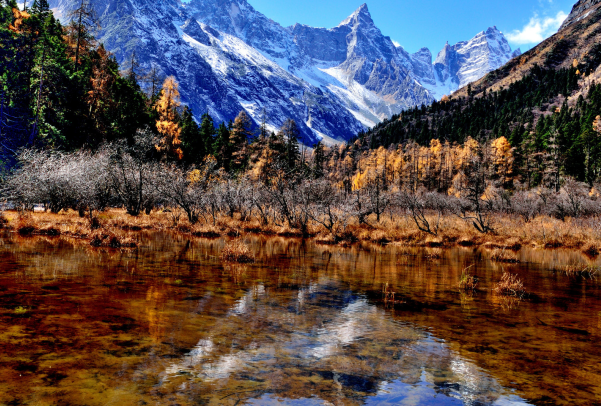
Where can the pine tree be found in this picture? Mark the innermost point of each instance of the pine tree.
(221, 146)
(83, 23)
(290, 134)
(241, 132)
(207, 133)
(193, 144)
(318, 160)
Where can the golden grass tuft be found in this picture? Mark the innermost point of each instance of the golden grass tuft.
(467, 281)
(510, 285)
(434, 242)
(237, 251)
(327, 239)
(102, 238)
(466, 242)
(379, 236)
(504, 255)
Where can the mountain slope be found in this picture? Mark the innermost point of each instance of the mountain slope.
(544, 103)
(332, 82)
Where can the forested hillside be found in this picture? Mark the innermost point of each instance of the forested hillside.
(61, 90)
(546, 112)
(80, 133)
(58, 87)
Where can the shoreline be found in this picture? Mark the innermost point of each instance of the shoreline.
(115, 229)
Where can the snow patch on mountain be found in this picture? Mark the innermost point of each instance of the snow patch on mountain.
(467, 61)
(332, 82)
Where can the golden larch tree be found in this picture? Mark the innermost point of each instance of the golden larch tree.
(167, 124)
(503, 159)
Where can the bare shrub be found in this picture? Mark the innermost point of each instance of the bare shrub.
(131, 172)
(329, 207)
(290, 198)
(477, 199)
(177, 187)
(572, 199)
(422, 203)
(42, 177)
(61, 180)
(526, 204)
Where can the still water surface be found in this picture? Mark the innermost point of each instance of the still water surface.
(169, 324)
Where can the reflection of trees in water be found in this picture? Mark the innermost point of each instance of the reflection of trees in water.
(305, 316)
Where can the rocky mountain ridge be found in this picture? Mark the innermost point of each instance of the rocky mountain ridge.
(581, 10)
(333, 82)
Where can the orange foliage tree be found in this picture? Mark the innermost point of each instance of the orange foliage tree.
(99, 96)
(167, 124)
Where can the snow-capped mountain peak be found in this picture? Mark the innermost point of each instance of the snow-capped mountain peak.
(333, 82)
(467, 61)
(360, 16)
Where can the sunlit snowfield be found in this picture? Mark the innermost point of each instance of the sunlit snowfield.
(170, 324)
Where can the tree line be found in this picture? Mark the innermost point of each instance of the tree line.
(98, 136)
(424, 184)
(533, 114)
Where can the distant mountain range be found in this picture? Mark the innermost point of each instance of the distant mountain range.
(333, 82)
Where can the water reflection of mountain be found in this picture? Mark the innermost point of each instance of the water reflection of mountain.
(324, 343)
(169, 323)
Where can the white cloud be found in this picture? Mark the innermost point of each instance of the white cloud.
(396, 43)
(537, 29)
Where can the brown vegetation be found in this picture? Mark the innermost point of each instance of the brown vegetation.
(468, 282)
(510, 285)
(503, 255)
(237, 251)
(511, 232)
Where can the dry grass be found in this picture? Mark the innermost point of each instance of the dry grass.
(468, 282)
(510, 285)
(102, 238)
(581, 270)
(511, 233)
(237, 251)
(69, 225)
(503, 255)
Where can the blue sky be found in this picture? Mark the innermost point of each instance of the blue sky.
(430, 23)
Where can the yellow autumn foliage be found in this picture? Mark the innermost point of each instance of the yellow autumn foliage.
(167, 124)
(19, 16)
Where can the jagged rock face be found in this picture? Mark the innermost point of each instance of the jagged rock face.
(422, 66)
(332, 82)
(580, 11)
(468, 61)
(321, 44)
